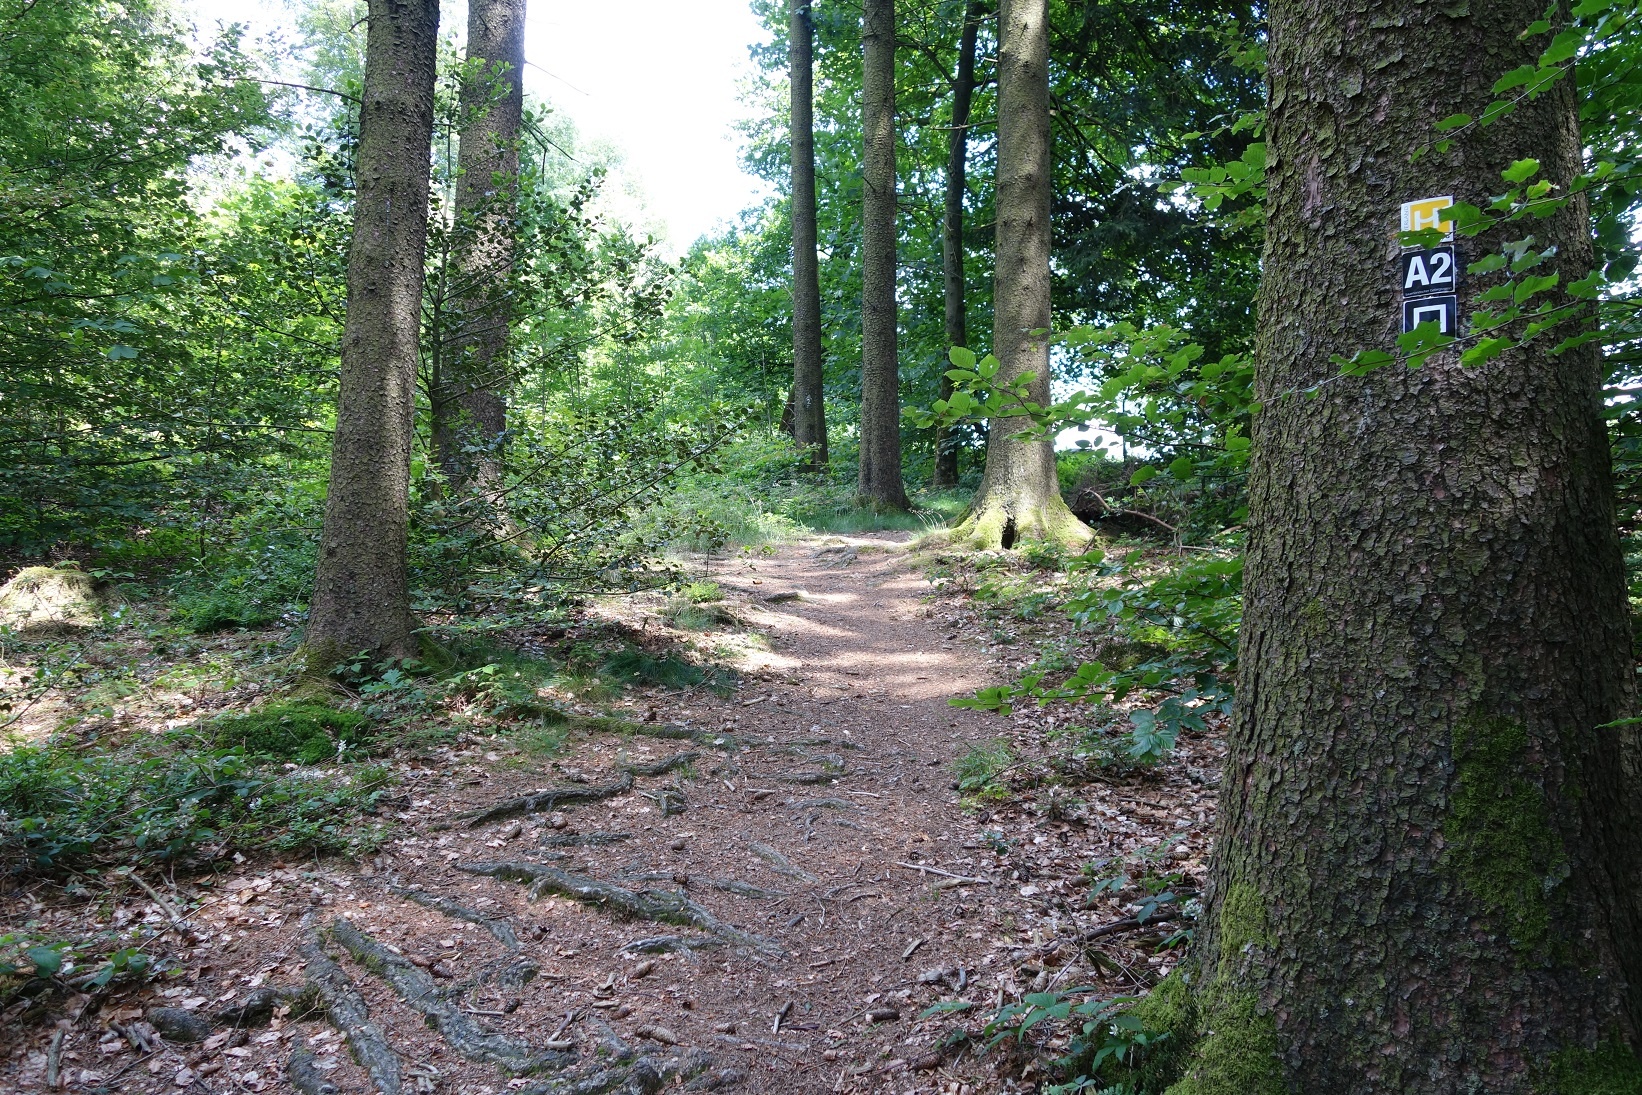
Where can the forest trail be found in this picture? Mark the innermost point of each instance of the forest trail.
(808, 862)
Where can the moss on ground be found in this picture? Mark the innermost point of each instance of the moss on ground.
(301, 731)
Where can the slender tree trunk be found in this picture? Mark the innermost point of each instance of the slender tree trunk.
(470, 410)
(1019, 498)
(952, 234)
(879, 485)
(809, 419)
(1428, 875)
(361, 590)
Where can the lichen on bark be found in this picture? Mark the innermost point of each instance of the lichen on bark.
(1499, 834)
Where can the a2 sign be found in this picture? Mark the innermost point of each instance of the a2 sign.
(1430, 275)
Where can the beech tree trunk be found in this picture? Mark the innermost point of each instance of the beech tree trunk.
(952, 234)
(1428, 875)
(809, 419)
(1019, 498)
(469, 394)
(879, 484)
(361, 596)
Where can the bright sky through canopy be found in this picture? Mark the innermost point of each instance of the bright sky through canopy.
(656, 78)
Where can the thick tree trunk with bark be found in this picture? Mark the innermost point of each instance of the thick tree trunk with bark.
(952, 234)
(879, 485)
(809, 419)
(1428, 876)
(361, 596)
(1019, 498)
(469, 394)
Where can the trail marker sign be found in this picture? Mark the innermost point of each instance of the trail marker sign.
(1443, 311)
(1423, 213)
(1429, 271)
(1430, 276)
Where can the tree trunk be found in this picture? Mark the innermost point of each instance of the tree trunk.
(1019, 498)
(809, 421)
(470, 407)
(1428, 875)
(952, 235)
(361, 590)
(879, 485)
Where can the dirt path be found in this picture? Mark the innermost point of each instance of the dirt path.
(786, 854)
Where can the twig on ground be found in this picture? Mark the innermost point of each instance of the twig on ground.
(944, 874)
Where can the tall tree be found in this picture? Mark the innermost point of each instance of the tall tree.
(1019, 498)
(952, 232)
(361, 596)
(468, 393)
(879, 484)
(809, 419)
(1428, 875)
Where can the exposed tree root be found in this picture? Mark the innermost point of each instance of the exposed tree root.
(347, 1011)
(574, 840)
(779, 863)
(417, 988)
(645, 1076)
(670, 800)
(671, 731)
(500, 928)
(665, 765)
(670, 944)
(303, 1074)
(662, 906)
(744, 889)
(545, 801)
(810, 778)
(255, 1009)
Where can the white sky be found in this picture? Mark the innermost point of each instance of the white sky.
(658, 79)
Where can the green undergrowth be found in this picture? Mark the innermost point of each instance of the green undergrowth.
(178, 798)
(1149, 641)
(982, 770)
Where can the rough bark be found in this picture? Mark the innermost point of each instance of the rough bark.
(952, 234)
(1019, 498)
(361, 596)
(468, 396)
(807, 403)
(1428, 874)
(879, 484)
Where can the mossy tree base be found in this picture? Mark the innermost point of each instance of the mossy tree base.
(1001, 523)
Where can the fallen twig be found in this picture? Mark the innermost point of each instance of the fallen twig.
(944, 874)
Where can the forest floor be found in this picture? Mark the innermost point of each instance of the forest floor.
(762, 891)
